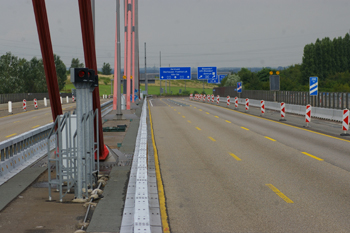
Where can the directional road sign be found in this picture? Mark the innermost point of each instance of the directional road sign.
(313, 86)
(214, 80)
(221, 77)
(206, 73)
(239, 87)
(175, 73)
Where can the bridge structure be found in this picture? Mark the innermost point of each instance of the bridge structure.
(179, 164)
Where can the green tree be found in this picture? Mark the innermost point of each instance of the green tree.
(232, 80)
(9, 66)
(76, 63)
(106, 69)
(60, 71)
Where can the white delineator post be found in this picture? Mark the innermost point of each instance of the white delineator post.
(24, 105)
(262, 107)
(345, 122)
(283, 111)
(10, 107)
(217, 99)
(308, 115)
(246, 104)
(61, 99)
(236, 102)
(67, 99)
(45, 101)
(228, 100)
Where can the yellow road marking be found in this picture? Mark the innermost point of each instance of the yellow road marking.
(296, 127)
(244, 128)
(47, 113)
(198, 128)
(35, 126)
(216, 116)
(179, 112)
(189, 121)
(207, 113)
(11, 135)
(235, 156)
(174, 109)
(200, 110)
(183, 116)
(279, 193)
(312, 156)
(35, 117)
(163, 211)
(270, 138)
(190, 105)
(228, 121)
(212, 139)
(16, 121)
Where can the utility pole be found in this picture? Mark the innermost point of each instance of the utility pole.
(146, 80)
(128, 60)
(117, 95)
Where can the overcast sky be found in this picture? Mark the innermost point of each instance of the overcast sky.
(222, 33)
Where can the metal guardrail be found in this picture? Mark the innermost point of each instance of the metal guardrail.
(335, 100)
(136, 214)
(21, 151)
(318, 112)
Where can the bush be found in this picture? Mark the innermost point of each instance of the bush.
(186, 93)
(195, 92)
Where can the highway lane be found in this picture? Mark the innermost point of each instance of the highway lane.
(225, 171)
(16, 124)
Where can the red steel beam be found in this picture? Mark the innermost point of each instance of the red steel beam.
(87, 31)
(47, 56)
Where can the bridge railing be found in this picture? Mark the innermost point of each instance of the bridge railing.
(20, 151)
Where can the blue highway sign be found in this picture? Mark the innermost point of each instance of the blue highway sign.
(214, 80)
(206, 73)
(221, 77)
(313, 86)
(175, 73)
(239, 87)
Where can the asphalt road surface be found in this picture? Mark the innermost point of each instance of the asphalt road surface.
(16, 124)
(227, 171)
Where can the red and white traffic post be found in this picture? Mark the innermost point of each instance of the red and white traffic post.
(228, 100)
(212, 98)
(73, 98)
(308, 115)
(246, 104)
(24, 105)
(200, 97)
(283, 111)
(345, 122)
(191, 97)
(35, 104)
(218, 100)
(204, 97)
(262, 107)
(236, 102)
